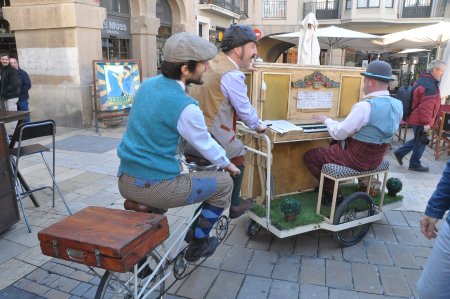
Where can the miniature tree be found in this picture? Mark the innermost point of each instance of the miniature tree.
(290, 207)
(394, 185)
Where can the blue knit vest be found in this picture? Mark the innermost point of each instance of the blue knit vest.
(385, 116)
(149, 146)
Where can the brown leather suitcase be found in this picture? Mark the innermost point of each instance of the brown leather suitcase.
(111, 239)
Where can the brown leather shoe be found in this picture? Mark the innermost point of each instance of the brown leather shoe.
(245, 205)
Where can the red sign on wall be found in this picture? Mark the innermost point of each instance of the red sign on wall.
(258, 33)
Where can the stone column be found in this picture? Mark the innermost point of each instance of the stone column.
(144, 30)
(56, 43)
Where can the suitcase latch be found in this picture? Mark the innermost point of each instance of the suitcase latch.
(97, 257)
(55, 247)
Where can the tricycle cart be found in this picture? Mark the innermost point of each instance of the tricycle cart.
(349, 221)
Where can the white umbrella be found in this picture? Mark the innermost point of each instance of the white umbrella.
(444, 86)
(308, 45)
(407, 51)
(430, 36)
(337, 37)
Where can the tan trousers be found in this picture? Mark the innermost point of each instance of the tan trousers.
(212, 187)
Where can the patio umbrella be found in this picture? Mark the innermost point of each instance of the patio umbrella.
(431, 36)
(336, 37)
(444, 85)
(308, 45)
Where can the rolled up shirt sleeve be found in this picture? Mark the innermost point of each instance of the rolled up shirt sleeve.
(191, 126)
(359, 116)
(233, 87)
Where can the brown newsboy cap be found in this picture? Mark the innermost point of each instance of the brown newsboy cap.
(185, 46)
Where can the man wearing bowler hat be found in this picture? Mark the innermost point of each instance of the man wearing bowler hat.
(162, 117)
(364, 135)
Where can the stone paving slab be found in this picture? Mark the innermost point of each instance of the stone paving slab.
(386, 264)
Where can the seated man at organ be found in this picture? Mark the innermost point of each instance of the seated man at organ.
(364, 135)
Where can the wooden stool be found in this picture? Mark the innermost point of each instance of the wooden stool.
(339, 173)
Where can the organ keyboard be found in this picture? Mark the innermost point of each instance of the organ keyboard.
(313, 128)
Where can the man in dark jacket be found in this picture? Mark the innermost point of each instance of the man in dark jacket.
(9, 88)
(424, 108)
(25, 85)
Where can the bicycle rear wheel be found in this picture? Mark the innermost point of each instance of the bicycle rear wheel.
(122, 285)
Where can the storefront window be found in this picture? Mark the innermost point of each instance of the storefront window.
(114, 48)
(164, 14)
(7, 39)
(116, 30)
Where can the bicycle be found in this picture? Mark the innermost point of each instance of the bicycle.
(160, 263)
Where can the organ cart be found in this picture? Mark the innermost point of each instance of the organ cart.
(286, 96)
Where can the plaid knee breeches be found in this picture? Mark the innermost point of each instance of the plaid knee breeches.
(212, 187)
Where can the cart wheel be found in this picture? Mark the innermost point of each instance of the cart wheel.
(253, 229)
(356, 206)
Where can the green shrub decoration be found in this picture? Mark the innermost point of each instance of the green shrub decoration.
(290, 206)
(394, 185)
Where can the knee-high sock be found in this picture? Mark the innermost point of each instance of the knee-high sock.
(237, 183)
(206, 220)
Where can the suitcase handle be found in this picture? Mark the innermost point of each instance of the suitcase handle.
(76, 255)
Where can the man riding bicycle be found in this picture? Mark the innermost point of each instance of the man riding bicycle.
(162, 118)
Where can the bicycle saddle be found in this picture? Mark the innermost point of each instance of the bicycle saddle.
(135, 206)
(193, 156)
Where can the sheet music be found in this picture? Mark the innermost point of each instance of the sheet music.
(282, 126)
(314, 100)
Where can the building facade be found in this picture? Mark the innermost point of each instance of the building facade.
(56, 42)
(377, 17)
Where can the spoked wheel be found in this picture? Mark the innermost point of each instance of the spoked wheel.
(121, 285)
(356, 206)
(253, 229)
(221, 228)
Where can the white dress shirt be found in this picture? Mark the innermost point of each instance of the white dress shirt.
(359, 116)
(192, 127)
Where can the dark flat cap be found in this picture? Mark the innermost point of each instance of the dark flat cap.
(237, 35)
(185, 46)
(379, 70)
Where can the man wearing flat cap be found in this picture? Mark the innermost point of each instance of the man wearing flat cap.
(223, 99)
(364, 135)
(163, 116)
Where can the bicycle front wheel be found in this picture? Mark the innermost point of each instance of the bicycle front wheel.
(122, 285)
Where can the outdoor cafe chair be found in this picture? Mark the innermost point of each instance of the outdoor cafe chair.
(27, 131)
(441, 135)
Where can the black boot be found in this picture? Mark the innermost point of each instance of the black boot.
(199, 248)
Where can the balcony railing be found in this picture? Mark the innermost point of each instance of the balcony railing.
(322, 9)
(275, 9)
(231, 5)
(422, 8)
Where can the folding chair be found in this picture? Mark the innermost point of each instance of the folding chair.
(28, 131)
(437, 124)
(443, 136)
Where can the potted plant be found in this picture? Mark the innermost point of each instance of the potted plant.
(290, 207)
(394, 185)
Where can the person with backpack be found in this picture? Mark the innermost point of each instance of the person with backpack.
(425, 105)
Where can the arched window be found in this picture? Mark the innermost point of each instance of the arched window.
(164, 14)
(119, 6)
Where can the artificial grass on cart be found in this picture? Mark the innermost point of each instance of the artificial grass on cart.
(308, 203)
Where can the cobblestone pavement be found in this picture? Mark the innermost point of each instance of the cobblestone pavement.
(386, 264)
